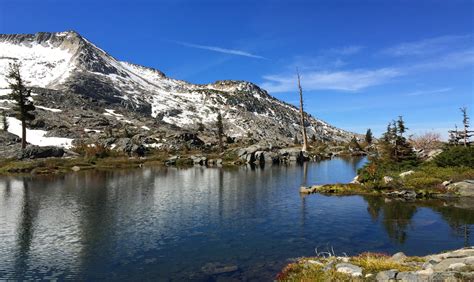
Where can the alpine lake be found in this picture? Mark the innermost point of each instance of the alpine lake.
(206, 224)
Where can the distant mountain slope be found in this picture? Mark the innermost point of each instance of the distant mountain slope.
(70, 73)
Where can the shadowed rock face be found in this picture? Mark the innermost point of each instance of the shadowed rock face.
(66, 64)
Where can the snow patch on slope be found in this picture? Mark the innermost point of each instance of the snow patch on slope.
(37, 137)
(40, 65)
(49, 109)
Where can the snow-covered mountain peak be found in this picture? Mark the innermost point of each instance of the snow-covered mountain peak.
(69, 63)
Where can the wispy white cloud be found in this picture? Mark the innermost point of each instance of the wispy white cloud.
(220, 50)
(352, 80)
(426, 92)
(308, 63)
(429, 46)
(451, 60)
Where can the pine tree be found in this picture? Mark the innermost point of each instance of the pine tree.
(21, 95)
(456, 136)
(465, 122)
(394, 146)
(220, 130)
(4, 121)
(386, 136)
(453, 136)
(369, 137)
(387, 146)
(401, 126)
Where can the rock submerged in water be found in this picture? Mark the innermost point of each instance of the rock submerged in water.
(218, 268)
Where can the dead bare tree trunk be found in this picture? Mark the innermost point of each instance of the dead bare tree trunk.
(465, 121)
(305, 137)
(23, 134)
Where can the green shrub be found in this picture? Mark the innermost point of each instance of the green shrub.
(376, 169)
(456, 156)
(423, 182)
(444, 173)
(96, 150)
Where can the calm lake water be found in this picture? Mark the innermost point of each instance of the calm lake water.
(175, 224)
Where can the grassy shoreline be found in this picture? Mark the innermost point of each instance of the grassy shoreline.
(453, 265)
(348, 189)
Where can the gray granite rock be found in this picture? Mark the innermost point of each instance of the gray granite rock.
(386, 275)
(347, 268)
(398, 257)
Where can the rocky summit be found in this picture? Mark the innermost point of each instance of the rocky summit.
(83, 93)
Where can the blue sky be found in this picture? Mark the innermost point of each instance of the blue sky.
(363, 63)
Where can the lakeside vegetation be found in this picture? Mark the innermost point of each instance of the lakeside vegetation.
(326, 266)
(396, 164)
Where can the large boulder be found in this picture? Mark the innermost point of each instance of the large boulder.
(241, 153)
(260, 157)
(191, 139)
(271, 157)
(464, 188)
(293, 155)
(130, 146)
(398, 257)
(388, 275)
(37, 152)
(199, 160)
(136, 149)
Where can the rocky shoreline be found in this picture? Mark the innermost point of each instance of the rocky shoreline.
(457, 265)
(14, 160)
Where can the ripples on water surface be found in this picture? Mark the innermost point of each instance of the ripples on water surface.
(167, 223)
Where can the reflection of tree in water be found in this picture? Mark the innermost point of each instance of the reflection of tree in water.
(459, 220)
(374, 206)
(28, 216)
(95, 216)
(354, 162)
(396, 216)
(8, 189)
